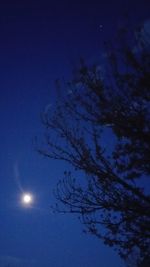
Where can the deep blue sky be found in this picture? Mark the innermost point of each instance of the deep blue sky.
(40, 42)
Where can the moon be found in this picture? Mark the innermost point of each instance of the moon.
(27, 199)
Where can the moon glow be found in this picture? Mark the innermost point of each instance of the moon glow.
(27, 199)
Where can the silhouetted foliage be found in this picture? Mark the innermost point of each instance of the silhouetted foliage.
(101, 103)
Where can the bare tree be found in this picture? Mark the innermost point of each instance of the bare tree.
(102, 103)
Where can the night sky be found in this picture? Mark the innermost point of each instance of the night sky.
(39, 43)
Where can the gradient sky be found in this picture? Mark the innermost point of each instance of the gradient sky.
(39, 43)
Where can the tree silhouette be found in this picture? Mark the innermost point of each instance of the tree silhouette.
(102, 104)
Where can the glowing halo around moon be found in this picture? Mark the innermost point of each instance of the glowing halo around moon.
(27, 199)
